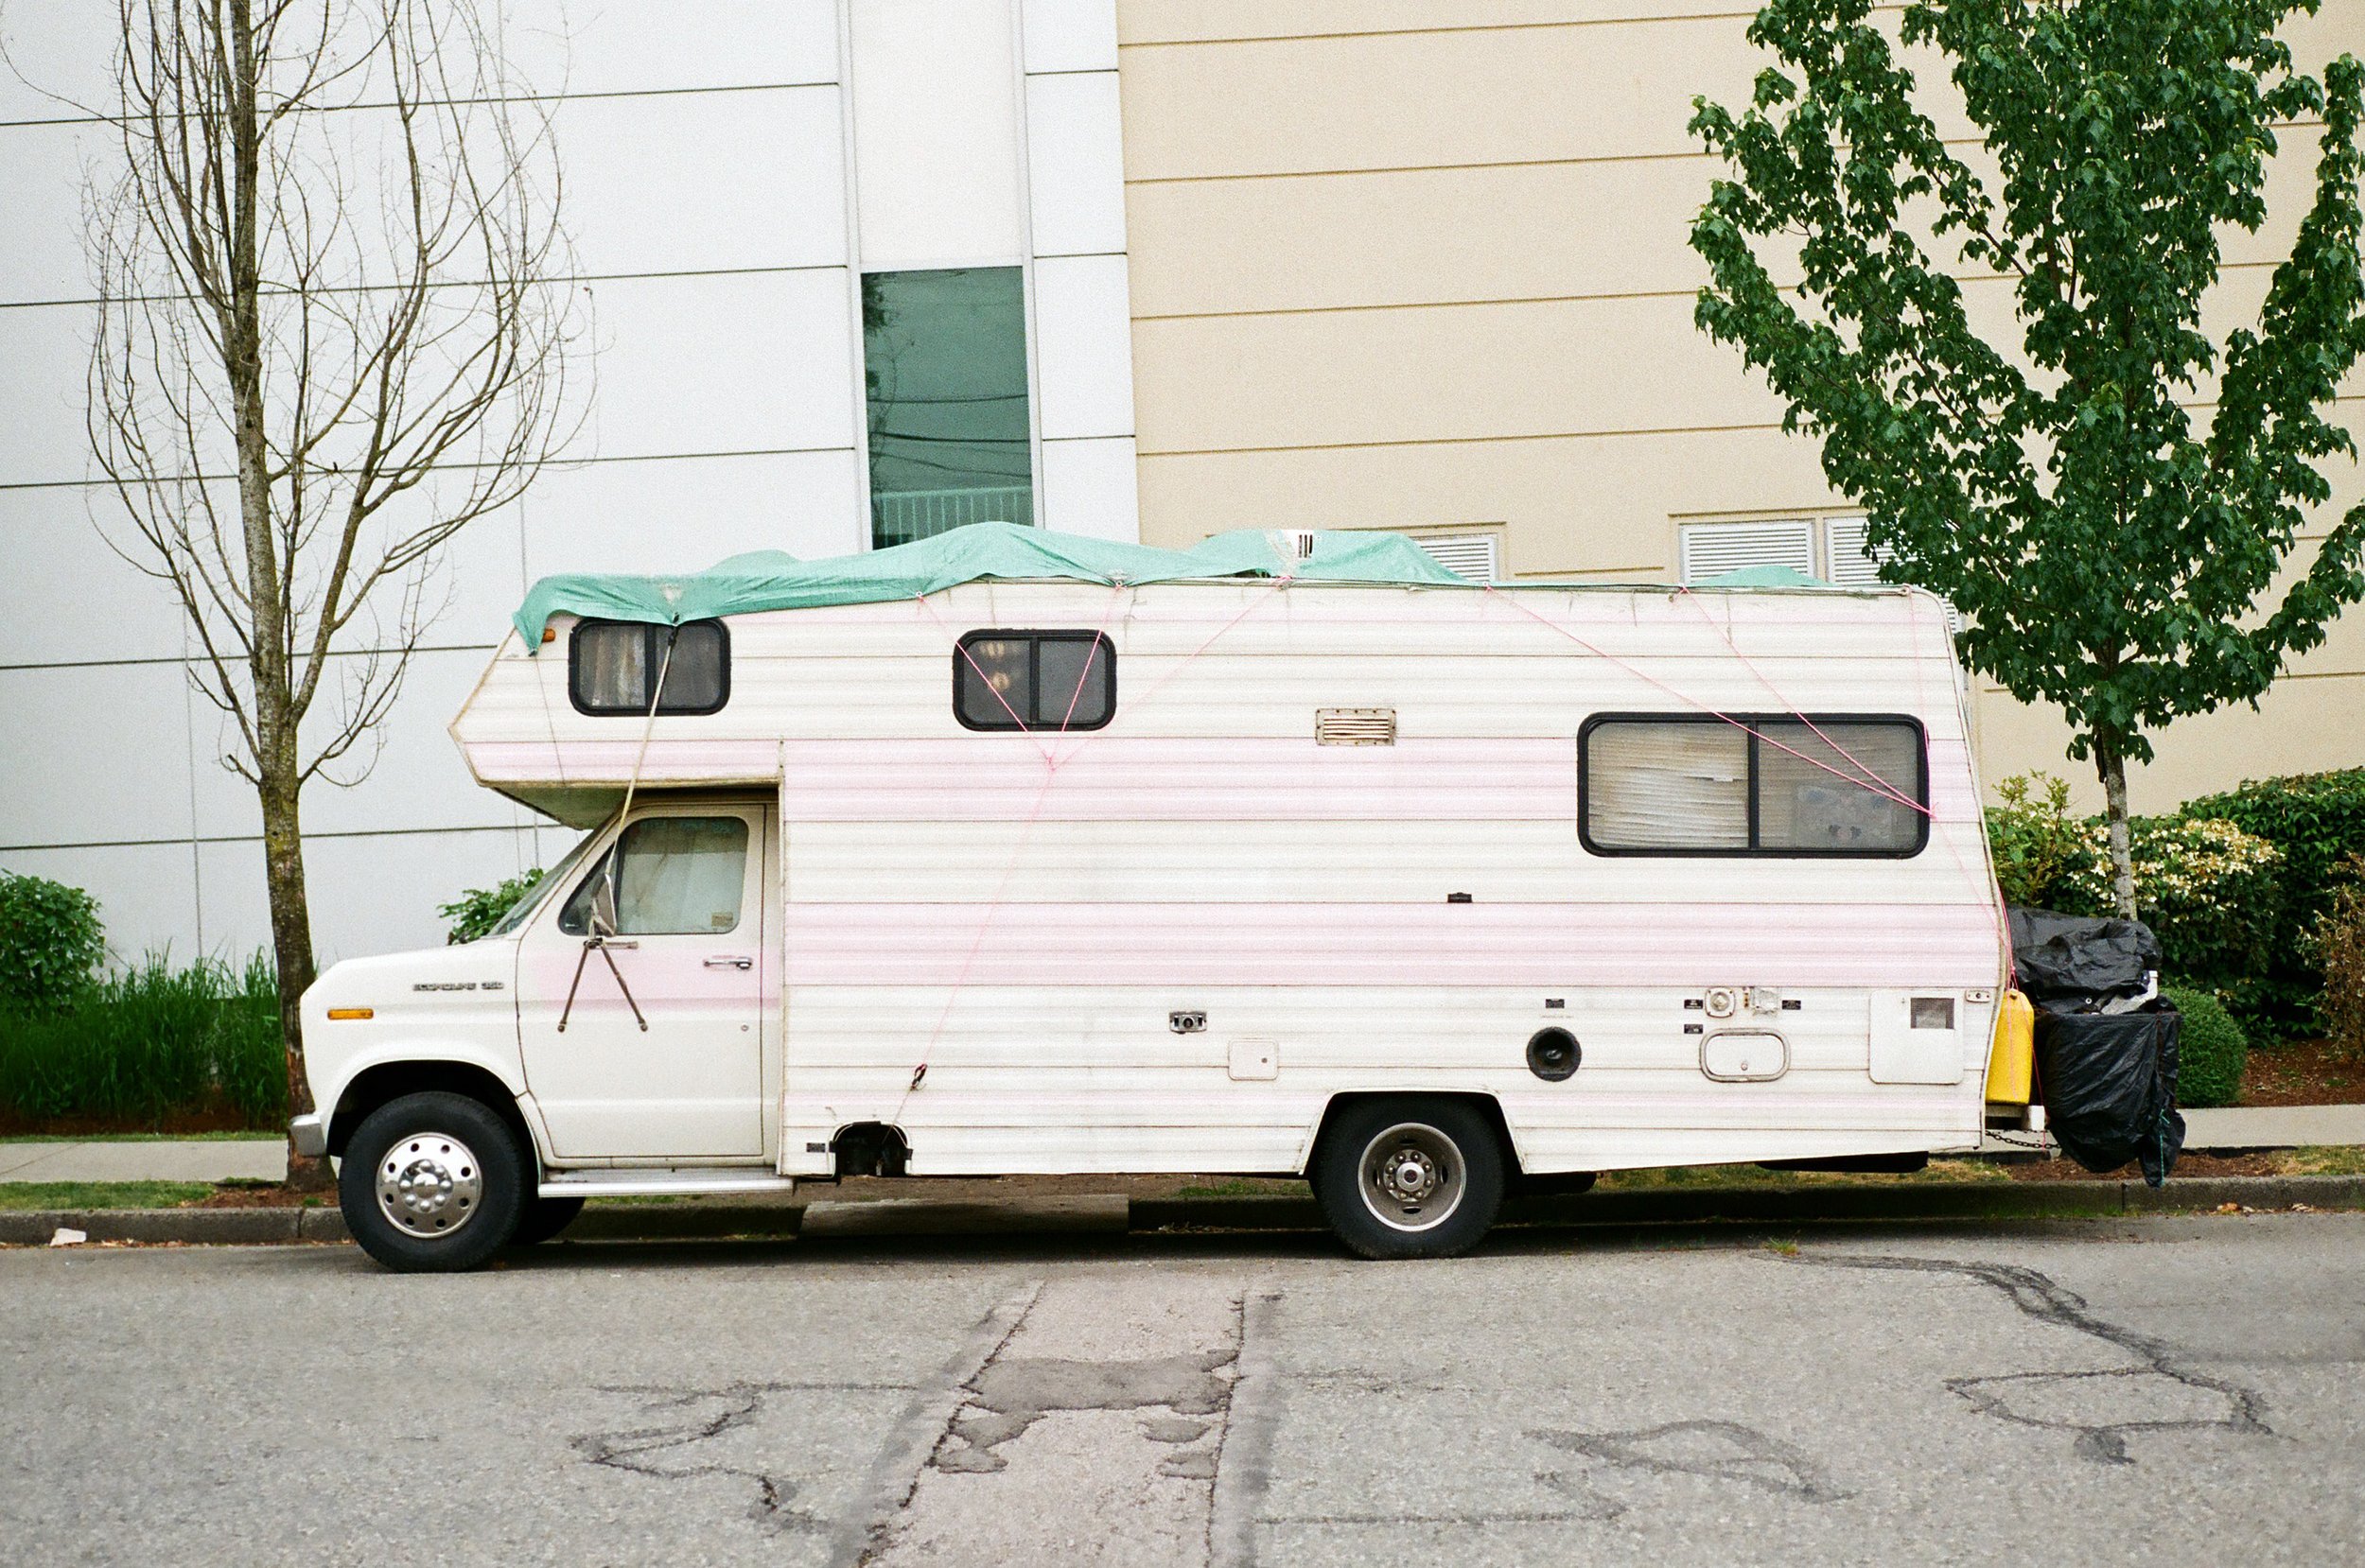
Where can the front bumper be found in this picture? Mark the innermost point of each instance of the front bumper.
(310, 1133)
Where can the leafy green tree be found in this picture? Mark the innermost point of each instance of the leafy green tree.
(476, 911)
(2112, 496)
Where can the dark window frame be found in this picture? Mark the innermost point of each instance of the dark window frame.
(610, 861)
(965, 670)
(654, 654)
(1754, 850)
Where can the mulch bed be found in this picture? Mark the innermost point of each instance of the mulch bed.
(181, 1125)
(2303, 1073)
(262, 1194)
(2186, 1165)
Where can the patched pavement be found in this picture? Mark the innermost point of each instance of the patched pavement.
(2091, 1391)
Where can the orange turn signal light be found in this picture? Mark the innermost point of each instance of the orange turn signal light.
(352, 1013)
(550, 633)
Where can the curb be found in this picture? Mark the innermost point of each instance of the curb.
(1673, 1206)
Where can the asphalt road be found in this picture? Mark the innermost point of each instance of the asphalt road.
(2153, 1391)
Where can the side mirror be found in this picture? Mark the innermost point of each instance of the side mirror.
(602, 918)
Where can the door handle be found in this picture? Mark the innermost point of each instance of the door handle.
(731, 960)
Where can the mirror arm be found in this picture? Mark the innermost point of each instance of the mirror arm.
(603, 944)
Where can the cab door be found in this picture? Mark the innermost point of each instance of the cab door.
(639, 993)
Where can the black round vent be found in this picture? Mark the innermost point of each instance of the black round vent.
(1554, 1054)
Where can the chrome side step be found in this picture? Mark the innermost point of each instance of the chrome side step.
(611, 1183)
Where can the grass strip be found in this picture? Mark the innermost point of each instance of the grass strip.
(20, 1196)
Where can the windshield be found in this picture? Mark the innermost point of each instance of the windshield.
(554, 876)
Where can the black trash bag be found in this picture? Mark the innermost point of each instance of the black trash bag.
(2073, 963)
(2108, 1083)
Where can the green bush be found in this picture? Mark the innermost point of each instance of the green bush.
(479, 908)
(2316, 821)
(2034, 839)
(152, 1042)
(2214, 1050)
(51, 942)
(2209, 891)
(2339, 946)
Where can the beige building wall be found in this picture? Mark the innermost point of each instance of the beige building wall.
(1402, 265)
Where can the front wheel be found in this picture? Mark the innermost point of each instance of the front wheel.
(432, 1182)
(1409, 1178)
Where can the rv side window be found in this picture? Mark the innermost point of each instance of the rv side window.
(1034, 680)
(1696, 784)
(610, 665)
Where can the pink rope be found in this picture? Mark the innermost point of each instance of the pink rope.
(1871, 780)
(1741, 724)
(1018, 851)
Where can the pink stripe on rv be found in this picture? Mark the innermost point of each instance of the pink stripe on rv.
(1876, 946)
(1115, 778)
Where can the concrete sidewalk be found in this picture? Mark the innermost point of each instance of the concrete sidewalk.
(146, 1159)
(2273, 1127)
(265, 1160)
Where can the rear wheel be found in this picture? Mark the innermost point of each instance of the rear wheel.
(1409, 1178)
(545, 1218)
(432, 1182)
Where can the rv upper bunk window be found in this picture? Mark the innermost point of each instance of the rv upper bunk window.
(1700, 784)
(610, 664)
(1034, 680)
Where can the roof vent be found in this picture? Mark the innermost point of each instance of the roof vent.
(1293, 544)
(1355, 726)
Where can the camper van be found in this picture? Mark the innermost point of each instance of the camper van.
(1286, 855)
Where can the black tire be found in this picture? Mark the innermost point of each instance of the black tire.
(1399, 1133)
(543, 1219)
(451, 1164)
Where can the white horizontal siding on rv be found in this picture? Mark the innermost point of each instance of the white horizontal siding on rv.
(1279, 862)
(1217, 661)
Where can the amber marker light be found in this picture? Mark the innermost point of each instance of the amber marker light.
(550, 633)
(352, 1013)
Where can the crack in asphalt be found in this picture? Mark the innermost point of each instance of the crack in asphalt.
(673, 1451)
(1722, 1451)
(2049, 1302)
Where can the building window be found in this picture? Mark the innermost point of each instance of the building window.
(1476, 556)
(1787, 785)
(610, 664)
(944, 373)
(1034, 680)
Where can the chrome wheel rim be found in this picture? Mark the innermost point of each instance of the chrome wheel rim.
(1412, 1178)
(430, 1185)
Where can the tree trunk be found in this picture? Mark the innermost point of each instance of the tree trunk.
(2112, 766)
(291, 947)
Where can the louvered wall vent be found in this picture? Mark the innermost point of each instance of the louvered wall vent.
(1470, 556)
(1355, 726)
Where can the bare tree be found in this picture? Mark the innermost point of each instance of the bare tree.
(336, 326)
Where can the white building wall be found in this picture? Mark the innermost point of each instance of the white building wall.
(722, 197)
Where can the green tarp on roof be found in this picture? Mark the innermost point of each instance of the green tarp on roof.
(1762, 577)
(771, 579)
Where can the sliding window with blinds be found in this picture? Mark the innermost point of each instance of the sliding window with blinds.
(1752, 784)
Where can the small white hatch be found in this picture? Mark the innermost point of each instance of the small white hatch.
(1745, 1056)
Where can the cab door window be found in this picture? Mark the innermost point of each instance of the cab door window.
(675, 877)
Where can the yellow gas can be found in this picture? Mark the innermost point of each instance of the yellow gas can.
(2011, 1061)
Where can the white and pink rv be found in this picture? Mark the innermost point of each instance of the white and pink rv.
(1003, 852)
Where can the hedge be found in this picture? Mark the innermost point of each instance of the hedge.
(2316, 820)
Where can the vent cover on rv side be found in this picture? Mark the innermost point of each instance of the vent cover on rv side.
(1355, 726)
